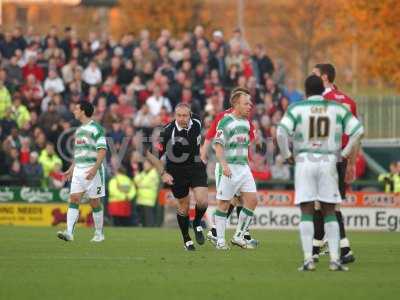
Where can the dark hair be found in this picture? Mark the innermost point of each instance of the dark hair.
(314, 86)
(237, 92)
(87, 107)
(328, 70)
(319, 67)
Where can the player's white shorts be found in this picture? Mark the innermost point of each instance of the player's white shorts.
(216, 173)
(241, 181)
(94, 188)
(316, 178)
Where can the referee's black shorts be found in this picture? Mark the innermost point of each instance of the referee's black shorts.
(341, 169)
(186, 177)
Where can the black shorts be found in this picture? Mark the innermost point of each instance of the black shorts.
(186, 177)
(341, 169)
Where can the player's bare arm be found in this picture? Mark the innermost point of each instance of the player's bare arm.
(283, 143)
(158, 163)
(351, 162)
(69, 172)
(219, 153)
(101, 154)
(204, 150)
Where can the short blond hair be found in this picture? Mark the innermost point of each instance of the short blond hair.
(236, 93)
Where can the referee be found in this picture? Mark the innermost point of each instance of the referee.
(180, 143)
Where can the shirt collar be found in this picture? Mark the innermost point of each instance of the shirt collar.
(315, 98)
(180, 128)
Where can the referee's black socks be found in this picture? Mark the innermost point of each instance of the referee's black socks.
(183, 222)
(319, 231)
(344, 243)
(199, 213)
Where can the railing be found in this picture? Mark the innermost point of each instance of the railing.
(380, 115)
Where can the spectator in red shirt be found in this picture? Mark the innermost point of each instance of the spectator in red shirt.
(247, 65)
(25, 151)
(56, 177)
(33, 92)
(32, 68)
(124, 108)
(259, 167)
(361, 165)
(165, 116)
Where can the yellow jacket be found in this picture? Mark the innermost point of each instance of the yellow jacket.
(5, 101)
(121, 188)
(48, 162)
(147, 187)
(21, 116)
(391, 181)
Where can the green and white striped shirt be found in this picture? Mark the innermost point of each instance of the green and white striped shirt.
(234, 135)
(317, 125)
(89, 138)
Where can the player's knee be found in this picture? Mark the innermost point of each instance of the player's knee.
(223, 205)
(236, 201)
(201, 198)
(183, 207)
(74, 198)
(250, 201)
(307, 208)
(328, 209)
(183, 210)
(202, 202)
(95, 203)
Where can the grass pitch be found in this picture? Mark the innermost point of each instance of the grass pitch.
(151, 264)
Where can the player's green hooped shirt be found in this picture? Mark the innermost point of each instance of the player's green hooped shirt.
(88, 139)
(317, 125)
(234, 135)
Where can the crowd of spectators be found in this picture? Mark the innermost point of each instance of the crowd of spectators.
(135, 83)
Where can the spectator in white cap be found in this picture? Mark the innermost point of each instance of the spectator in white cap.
(218, 36)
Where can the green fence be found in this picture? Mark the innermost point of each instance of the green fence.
(32, 194)
(380, 115)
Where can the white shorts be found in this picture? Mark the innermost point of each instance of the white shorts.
(316, 179)
(241, 181)
(94, 188)
(216, 173)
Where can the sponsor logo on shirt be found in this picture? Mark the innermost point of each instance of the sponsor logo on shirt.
(80, 141)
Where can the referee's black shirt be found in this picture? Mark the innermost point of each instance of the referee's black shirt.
(181, 146)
